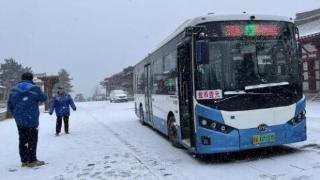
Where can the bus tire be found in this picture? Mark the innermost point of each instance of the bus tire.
(141, 116)
(173, 132)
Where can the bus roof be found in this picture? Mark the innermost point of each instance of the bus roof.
(216, 18)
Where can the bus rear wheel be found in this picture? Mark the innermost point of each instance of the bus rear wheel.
(173, 132)
(141, 117)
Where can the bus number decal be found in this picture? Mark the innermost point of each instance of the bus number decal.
(209, 94)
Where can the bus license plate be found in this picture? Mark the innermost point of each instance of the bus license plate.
(262, 139)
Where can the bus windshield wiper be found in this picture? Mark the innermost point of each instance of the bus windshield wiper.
(239, 93)
(259, 86)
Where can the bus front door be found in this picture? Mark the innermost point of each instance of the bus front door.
(147, 92)
(185, 94)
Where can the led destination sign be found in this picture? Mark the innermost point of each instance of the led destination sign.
(250, 30)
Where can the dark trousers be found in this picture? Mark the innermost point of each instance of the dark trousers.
(28, 140)
(59, 124)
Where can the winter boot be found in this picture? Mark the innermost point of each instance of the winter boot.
(24, 164)
(36, 163)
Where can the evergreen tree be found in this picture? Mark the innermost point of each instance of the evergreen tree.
(64, 81)
(10, 74)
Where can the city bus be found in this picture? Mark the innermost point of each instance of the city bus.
(224, 84)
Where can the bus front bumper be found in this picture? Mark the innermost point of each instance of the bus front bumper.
(210, 141)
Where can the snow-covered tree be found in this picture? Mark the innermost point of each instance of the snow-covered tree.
(64, 81)
(10, 74)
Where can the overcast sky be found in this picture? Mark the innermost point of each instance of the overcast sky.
(94, 39)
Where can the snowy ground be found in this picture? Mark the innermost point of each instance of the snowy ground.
(107, 142)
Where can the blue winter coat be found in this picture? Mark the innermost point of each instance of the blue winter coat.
(23, 104)
(61, 105)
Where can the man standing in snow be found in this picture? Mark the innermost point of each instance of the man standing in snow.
(61, 104)
(23, 104)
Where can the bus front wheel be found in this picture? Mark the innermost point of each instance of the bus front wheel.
(173, 132)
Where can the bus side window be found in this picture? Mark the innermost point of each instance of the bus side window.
(164, 74)
(157, 81)
(170, 72)
(140, 83)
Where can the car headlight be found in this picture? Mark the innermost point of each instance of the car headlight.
(298, 118)
(210, 124)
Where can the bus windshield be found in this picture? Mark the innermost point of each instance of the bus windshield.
(238, 63)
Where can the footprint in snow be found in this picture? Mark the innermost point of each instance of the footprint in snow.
(91, 165)
(125, 174)
(272, 177)
(316, 166)
(126, 156)
(60, 177)
(86, 169)
(304, 177)
(82, 174)
(153, 163)
(13, 170)
(95, 174)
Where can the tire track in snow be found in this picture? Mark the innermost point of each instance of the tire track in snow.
(145, 160)
(139, 156)
(136, 152)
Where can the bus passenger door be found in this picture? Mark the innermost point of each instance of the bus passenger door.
(147, 92)
(186, 93)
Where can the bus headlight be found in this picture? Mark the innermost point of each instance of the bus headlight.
(213, 125)
(210, 124)
(298, 118)
(204, 122)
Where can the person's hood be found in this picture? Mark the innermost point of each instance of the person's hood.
(24, 86)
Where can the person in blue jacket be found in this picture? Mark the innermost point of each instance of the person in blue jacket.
(23, 104)
(61, 103)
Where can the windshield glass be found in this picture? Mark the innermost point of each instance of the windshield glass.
(235, 63)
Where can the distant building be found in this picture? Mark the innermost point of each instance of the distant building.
(122, 80)
(309, 27)
(48, 82)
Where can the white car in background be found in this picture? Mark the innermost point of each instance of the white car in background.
(118, 96)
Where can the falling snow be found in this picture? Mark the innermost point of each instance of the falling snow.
(106, 141)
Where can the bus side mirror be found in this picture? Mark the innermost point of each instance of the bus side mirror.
(202, 52)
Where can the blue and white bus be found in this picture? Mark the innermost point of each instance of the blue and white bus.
(224, 84)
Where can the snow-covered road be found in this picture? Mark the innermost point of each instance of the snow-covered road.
(107, 142)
